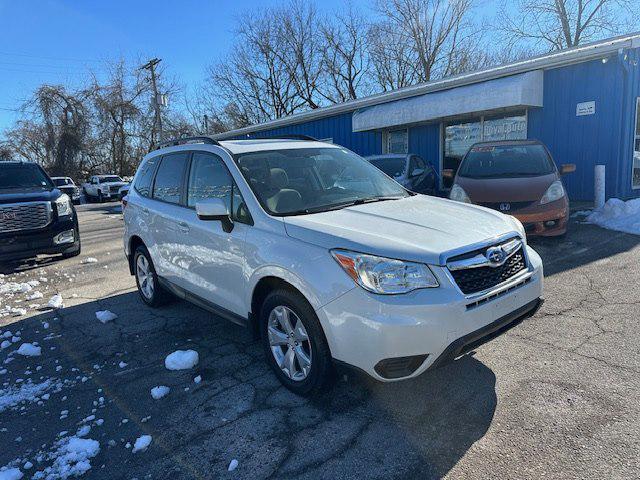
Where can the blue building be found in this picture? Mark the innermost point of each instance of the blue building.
(581, 102)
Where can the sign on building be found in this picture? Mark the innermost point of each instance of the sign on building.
(585, 108)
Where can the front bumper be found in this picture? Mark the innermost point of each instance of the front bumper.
(27, 244)
(545, 220)
(431, 325)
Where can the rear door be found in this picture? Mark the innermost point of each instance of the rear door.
(212, 260)
(164, 214)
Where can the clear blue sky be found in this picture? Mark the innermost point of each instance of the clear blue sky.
(57, 41)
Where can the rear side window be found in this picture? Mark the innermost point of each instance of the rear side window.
(168, 183)
(143, 182)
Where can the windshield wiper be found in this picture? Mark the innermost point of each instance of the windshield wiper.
(339, 206)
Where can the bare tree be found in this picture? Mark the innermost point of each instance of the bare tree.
(557, 24)
(428, 37)
(345, 57)
(391, 57)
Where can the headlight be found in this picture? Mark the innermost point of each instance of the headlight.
(63, 205)
(458, 194)
(554, 192)
(520, 228)
(384, 275)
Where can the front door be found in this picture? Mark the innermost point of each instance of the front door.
(216, 267)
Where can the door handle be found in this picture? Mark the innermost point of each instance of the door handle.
(184, 227)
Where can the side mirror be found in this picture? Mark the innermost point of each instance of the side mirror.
(567, 168)
(448, 173)
(214, 209)
(417, 172)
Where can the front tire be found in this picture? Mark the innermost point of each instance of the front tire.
(294, 343)
(149, 288)
(100, 197)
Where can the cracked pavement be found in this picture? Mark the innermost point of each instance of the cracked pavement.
(558, 396)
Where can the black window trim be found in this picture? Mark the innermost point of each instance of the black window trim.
(250, 221)
(181, 202)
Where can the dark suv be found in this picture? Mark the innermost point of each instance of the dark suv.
(35, 217)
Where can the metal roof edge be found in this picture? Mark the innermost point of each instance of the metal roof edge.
(557, 59)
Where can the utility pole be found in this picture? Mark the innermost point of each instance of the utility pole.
(206, 123)
(151, 66)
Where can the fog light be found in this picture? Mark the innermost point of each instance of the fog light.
(67, 236)
(550, 223)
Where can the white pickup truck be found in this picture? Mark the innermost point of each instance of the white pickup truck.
(102, 188)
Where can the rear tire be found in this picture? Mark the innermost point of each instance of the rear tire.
(298, 355)
(150, 290)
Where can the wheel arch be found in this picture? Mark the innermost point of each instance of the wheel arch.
(134, 242)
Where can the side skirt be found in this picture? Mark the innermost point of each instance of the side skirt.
(204, 304)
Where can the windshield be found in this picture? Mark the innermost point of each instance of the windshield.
(310, 180)
(497, 161)
(61, 182)
(109, 179)
(394, 167)
(23, 175)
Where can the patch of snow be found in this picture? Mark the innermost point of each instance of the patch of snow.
(198, 379)
(35, 295)
(83, 431)
(158, 392)
(122, 364)
(181, 360)
(141, 443)
(70, 459)
(5, 344)
(618, 215)
(11, 474)
(105, 316)
(56, 301)
(29, 350)
(233, 465)
(27, 392)
(28, 466)
(13, 287)
(90, 260)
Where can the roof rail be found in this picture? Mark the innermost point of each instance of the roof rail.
(289, 136)
(187, 140)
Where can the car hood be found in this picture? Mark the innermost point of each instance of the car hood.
(523, 189)
(419, 228)
(114, 184)
(28, 195)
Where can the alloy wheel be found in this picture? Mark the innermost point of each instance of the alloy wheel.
(145, 277)
(289, 342)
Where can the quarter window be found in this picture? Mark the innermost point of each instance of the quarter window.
(209, 178)
(168, 184)
(143, 182)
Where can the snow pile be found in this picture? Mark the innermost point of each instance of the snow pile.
(27, 392)
(35, 295)
(233, 465)
(90, 260)
(105, 316)
(71, 458)
(159, 392)
(56, 301)
(141, 443)
(618, 215)
(29, 350)
(181, 360)
(12, 288)
(10, 474)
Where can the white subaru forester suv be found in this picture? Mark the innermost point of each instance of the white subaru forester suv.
(325, 257)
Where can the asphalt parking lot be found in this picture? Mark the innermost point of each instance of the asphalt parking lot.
(556, 397)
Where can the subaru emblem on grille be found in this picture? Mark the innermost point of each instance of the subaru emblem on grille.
(496, 255)
(505, 207)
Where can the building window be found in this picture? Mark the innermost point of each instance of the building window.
(635, 174)
(459, 136)
(397, 141)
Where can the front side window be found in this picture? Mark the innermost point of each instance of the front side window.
(168, 183)
(23, 175)
(309, 180)
(501, 161)
(209, 178)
